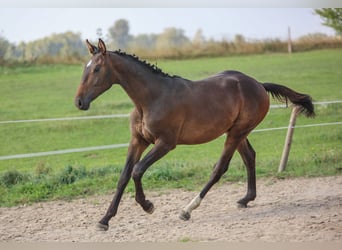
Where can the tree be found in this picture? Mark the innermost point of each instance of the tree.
(119, 34)
(331, 18)
(239, 39)
(172, 38)
(199, 38)
(143, 41)
(4, 45)
(67, 47)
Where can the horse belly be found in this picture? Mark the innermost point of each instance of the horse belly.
(201, 132)
(209, 119)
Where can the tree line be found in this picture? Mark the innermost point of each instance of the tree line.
(68, 47)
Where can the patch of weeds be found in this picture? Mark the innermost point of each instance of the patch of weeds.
(44, 184)
(13, 177)
(70, 174)
(185, 239)
(42, 170)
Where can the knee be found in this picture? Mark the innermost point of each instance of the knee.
(136, 173)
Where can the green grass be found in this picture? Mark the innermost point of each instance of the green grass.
(47, 91)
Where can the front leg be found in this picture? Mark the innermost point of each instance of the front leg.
(135, 149)
(157, 152)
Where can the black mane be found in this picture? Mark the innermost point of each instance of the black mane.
(152, 67)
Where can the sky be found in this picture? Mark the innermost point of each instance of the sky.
(28, 24)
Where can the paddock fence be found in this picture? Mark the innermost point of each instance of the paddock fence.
(274, 106)
(114, 146)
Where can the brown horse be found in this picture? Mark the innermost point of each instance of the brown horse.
(171, 110)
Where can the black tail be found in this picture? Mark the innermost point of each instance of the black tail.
(285, 94)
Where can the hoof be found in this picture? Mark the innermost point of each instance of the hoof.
(184, 216)
(149, 208)
(101, 227)
(241, 205)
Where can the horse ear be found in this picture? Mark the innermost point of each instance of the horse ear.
(102, 46)
(92, 49)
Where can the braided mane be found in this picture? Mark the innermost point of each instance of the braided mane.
(152, 67)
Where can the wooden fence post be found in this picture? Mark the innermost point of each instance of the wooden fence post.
(289, 41)
(288, 140)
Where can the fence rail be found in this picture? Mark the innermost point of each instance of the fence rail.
(274, 106)
(113, 146)
(67, 118)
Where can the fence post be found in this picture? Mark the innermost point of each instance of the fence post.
(288, 140)
(289, 41)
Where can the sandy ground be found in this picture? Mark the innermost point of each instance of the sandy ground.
(296, 210)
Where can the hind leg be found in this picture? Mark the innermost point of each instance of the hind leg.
(248, 156)
(220, 168)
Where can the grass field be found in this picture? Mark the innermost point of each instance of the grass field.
(47, 92)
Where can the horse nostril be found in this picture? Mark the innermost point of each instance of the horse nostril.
(81, 103)
(78, 103)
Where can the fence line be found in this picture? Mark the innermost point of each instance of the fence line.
(67, 118)
(315, 103)
(63, 151)
(125, 115)
(95, 148)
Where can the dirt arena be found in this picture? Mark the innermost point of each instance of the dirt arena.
(295, 210)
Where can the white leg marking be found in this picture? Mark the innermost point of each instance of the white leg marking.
(193, 204)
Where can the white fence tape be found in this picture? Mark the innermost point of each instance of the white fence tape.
(123, 115)
(64, 151)
(95, 148)
(67, 118)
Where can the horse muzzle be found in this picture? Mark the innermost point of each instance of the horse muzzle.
(82, 104)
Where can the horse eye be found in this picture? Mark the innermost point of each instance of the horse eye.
(97, 68)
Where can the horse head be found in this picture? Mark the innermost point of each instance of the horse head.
(96, 77)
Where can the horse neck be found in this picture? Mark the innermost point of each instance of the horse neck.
(139, 82)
